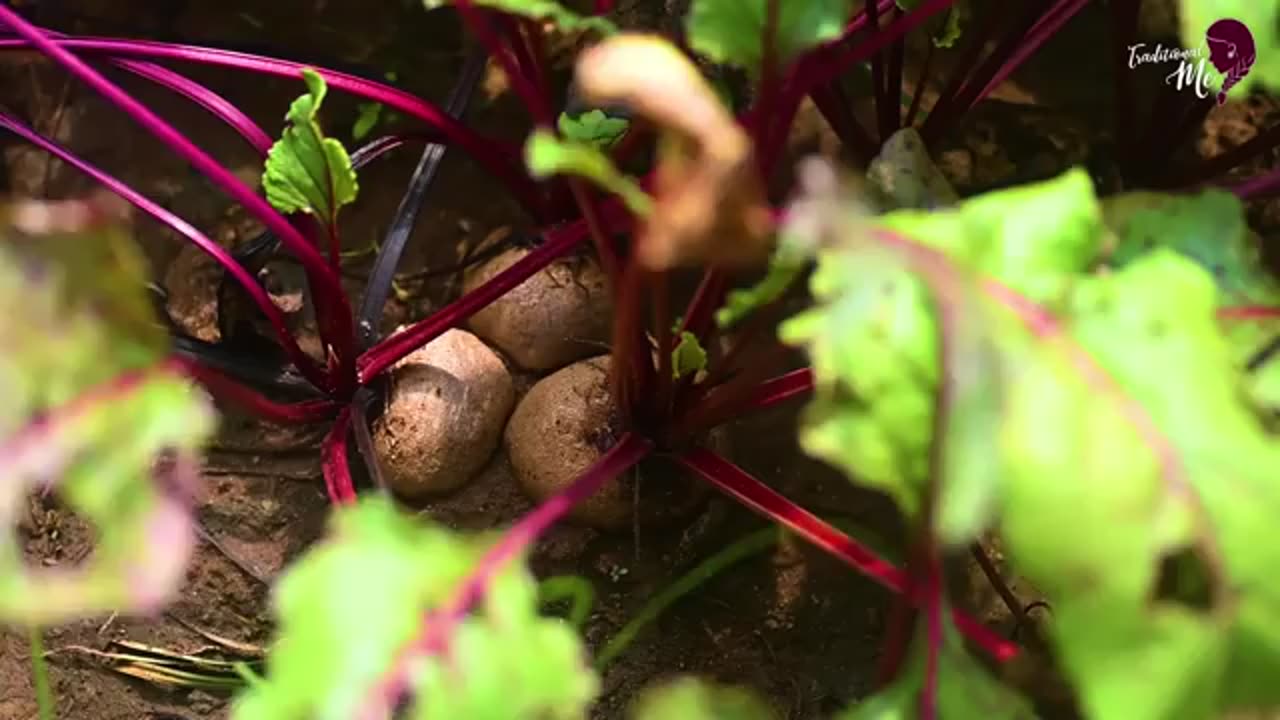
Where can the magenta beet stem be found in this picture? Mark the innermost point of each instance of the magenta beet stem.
(386, 353)
(24, 451)
(486, 151)
(829, 62)
(1044, 29)
(217, 105)
(1261, 186)
(333, 451)
(780, 389)
(300, 359)
(251, 401)
(733, 481)
(166, 133)
(326, 286)
(1249, 312)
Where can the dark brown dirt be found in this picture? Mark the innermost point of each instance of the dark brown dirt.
(793, 624)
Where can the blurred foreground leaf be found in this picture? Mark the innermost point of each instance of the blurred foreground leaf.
(91, 412)
(353, 602)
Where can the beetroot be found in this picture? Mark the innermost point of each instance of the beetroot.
(447, 406)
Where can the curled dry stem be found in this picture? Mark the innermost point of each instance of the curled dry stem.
(710, 203)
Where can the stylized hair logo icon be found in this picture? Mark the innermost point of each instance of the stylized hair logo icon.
(1232, 51)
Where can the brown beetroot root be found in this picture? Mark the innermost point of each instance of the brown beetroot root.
(563, 425)
(559, 315)
(448, 403)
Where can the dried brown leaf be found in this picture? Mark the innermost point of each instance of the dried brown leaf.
(710, 204)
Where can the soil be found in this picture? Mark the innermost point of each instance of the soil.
(793, 624)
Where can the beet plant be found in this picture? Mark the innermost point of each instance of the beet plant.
(1084, 378)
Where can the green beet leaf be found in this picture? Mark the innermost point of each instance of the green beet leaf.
(1036, 238)
(306, 171)
(509, 664)
(970, 475)
(1260, 17)
(947, 30)
(873, 339)
(1207, 227)
(688, 357)
(546, 155)
(732, 31)
(1129, 476)
(368, 115)
(695, 699)
(786, 265)
(353, 601)
(1248, 337)
(1165, 664)
(1095, 518)
(543, 10)
(952, 26)
(90, 411)
(347, 606)
(593, 128)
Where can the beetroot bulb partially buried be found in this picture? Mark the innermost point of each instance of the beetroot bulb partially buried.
(559, 315)
(444, 415)
(565, 423)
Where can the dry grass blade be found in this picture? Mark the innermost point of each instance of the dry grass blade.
(166, 668)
